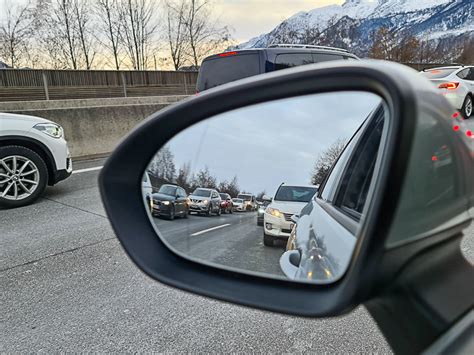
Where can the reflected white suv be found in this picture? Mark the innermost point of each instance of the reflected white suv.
(33, 154)
(289, 200)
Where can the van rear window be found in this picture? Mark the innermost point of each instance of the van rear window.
(222, 70)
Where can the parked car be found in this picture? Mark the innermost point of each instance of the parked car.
(288, 201)
(229, 66)
(33, 154)
(170, 201)
(250, 201)
(261, 209)
(238, 204)
(456, 84)
(205, 201)
(226, 204)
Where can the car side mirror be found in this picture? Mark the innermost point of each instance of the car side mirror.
(399, 184)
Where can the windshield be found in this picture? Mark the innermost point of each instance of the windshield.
(295, 193)
(167, 190)
(438, 73)
(221, 70)
(224, 196)
(202, 193)
(245, 197)
(237, 200)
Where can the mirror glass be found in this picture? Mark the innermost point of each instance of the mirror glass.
(278, 188)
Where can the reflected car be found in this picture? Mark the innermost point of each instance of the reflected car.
(250, 201)
(170, 201)
(226, 203)
(288, 201)
(261, 211)
(238, 204)
(205, 201)
(147, 189)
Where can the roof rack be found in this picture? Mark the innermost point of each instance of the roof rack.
(281, 45)
(445, 66)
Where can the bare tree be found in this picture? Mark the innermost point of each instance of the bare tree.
(325, 161)
(109, 24)
(84, 30)
(176, 31)
(183, 178)
(204, 34)
(383, 44)
(15, 33)
(162, 165)
(203, 178)
(139, 25)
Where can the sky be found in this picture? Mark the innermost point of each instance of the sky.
(273, 142)
(250, 18)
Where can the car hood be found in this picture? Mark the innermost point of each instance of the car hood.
(25, 118)
(162, 197)
(288, 207)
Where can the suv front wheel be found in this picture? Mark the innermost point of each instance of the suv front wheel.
(23, 176)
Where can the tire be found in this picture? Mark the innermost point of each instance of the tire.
(172, 213)
(35, 171)
(268, 240)
(218, 210)
(467, 109)
(208, 212)
(231, 210)
(186, 213)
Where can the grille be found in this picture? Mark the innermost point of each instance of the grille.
(193, 200)
(288, 216)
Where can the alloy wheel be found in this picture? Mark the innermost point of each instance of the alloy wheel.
(19, 177)
(468, 108)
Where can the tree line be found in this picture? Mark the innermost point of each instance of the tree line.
(163, 168)
(113, 34)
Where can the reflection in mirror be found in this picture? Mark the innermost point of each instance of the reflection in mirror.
(240, 190)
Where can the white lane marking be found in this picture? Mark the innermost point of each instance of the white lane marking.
(87, 170)
(210, 229)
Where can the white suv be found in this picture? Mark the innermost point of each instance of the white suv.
(289, 200)
(33, 154)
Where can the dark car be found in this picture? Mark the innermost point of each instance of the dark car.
(227, 205)
(225, 67)
(170, 201)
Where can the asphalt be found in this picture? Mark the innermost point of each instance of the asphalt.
(67, 285)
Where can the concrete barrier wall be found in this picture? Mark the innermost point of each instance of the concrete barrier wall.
(93, 126)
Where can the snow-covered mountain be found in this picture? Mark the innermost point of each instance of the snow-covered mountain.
(352, 24)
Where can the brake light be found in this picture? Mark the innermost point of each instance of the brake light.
(456, 128)
(455, 114)
(449, 86)
(434, 158)
(227, 54)
(469, 133)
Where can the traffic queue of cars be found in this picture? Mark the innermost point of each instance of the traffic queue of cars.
(172, 201)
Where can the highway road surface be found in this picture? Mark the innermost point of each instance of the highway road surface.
(67, 285)
(233, 240)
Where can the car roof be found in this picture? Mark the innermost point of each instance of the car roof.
(204, 188)
(286, 49)
(449, 67)
(299, 185)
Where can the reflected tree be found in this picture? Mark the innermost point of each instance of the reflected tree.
(162, 166)
(325, 161)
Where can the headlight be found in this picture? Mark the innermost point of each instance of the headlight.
(166, 203)
(205, 202)
(151, 203)
(261, 210)
(51, 129)
(273, 212)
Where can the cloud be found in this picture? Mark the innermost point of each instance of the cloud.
(250, 18)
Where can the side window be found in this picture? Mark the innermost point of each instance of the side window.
(181, 193)
(323, 57)
(463, 74)
(330, 185)
(283, 61)
(358, 175)
(470, 76)
(215, 195)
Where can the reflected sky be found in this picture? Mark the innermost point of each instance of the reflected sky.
(273, 142)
